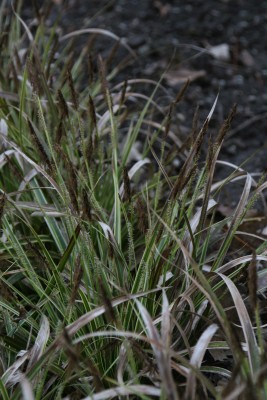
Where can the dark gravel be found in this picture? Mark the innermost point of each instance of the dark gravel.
(179, 33)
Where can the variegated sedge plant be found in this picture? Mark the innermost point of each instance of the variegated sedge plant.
(118, 279)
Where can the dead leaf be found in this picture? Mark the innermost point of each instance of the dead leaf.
(154, 66)
(176, 77)
(246, 58)
(164, 9)
(264, 231)
(220, 52)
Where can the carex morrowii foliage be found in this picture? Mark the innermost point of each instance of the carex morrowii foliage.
(121, 267)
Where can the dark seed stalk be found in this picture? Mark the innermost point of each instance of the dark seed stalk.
(77, 278)
(127, 186)
(73, 92)
(39, 146)
(107, 303)
(63, 107)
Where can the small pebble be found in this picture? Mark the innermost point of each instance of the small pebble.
(238, 80)
(231, 149)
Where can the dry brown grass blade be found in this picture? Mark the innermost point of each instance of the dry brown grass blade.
(163, 359)
(34, 165)
(247, 329)
(135, 96)
(29, 34)
(165, 323)
(40, 342)
(171, 134)
(25, 181)
(122, 363)
(118, 333)
(108, 232)
(252, 282)
(101, 32)
(37, 209)
(197, 358)
(151, 330)
(199, 313)
(194, 222)
(164, 173)
(261, 187)
(91, 315)
(239, 211)
(184, 301)
(142, 81)
(9, 96)
(106, 118)
(136, 390)
(4, 157)
(166, 341)
(238, 261)
(12, 375)
(27, 390)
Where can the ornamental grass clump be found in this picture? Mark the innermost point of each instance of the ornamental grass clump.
(121, 276)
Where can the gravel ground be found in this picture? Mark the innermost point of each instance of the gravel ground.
(220, 45)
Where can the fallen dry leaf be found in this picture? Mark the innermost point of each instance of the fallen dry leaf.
(246, 59)
(176, 77)
(220, 52)
(264, 231)
(164, 9)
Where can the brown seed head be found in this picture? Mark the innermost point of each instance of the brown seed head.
(102, 74)
(181, 92)
(92, 113)
(112, 53)
(127, 185)
(2, 205)
(63, 107)
(86, 206)
(60, 132)
(33, 77)
(39, 147)
(77, 278)
(51, 57)
(74, 96)
(226, 125)
(141, 215)
(168, 122)
(90, 69)
(123, 93)
(107, 303)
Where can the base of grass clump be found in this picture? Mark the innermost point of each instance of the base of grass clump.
(120, 275)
